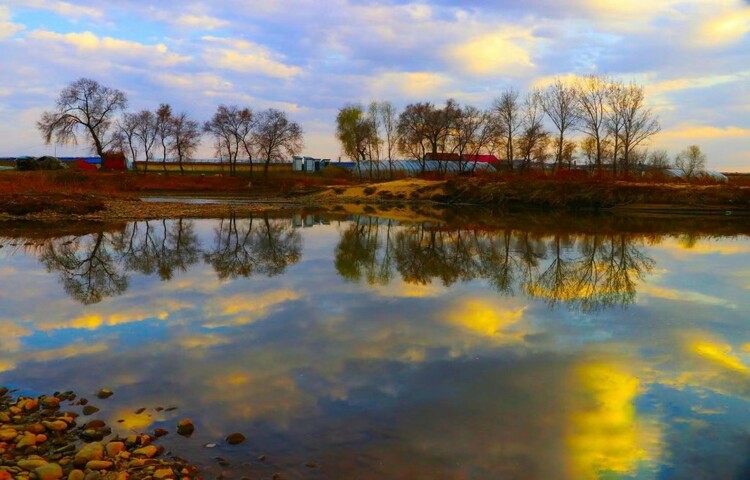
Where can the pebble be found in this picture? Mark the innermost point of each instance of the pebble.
(89, 410)
(235, 438)
(49, 471)
(185, 427)
(104, 393)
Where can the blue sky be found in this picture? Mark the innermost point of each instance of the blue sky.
(309, 58)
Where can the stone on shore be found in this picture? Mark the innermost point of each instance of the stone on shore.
(49, 471)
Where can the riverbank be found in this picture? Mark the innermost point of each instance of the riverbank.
(57, 196)
(48, 438)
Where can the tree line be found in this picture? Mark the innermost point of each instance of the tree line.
(87, 109)
(598, 119)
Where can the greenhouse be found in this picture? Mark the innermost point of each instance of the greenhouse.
(382, 168)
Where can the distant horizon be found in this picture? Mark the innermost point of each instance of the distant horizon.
(691, 57)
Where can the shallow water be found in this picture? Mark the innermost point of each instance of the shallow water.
(361, 348)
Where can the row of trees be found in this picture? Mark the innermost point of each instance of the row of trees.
(90, 110)
(610, 118)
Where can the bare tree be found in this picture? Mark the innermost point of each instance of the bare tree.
(616, 100)
(638, 122)
(389, 122)
(146, 132)
(163, 119)
(691, 161)
(593, 94)
(127, 128)
(185, 138)
(231, 128)
(471, 133)
(507, 110)
(276, 136)
(412, 132)
(658, 160)
(534, 137)
(559, 102)
(84, 107)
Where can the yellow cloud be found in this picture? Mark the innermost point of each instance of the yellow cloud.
(243, 309)
(646, 290)
(720, 354)
(604, 433)
(204, 22)
(693, 133)
(503, 53)
(87, 43)
(68, 351)
(244, 56)
(408, 84)
(726, 29)
(487, 319)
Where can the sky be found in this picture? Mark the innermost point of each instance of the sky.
(309, 58)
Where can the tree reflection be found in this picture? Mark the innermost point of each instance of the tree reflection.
(246, 246)
(584, 272)
(86, 266)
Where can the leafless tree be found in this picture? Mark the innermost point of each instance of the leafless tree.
(691, 161)
(127, 127)
(658, 160)
(638, 122)
(185, 138)
(163, 119)
(616, 101)
(534, 137)
(146, 132)
(84, 107)
(412, 131)
(389, 122)
(231, 128)
(275, 136)
(559, 102)
(591, 109)
(507, 111)
(471, 133)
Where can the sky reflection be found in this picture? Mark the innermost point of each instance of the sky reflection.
(379, 350)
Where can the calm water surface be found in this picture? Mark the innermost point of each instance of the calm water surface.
(373, 349)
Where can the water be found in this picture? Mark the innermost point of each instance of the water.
(364, 348)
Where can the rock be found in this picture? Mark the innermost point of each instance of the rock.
(104, 393)
(163, 473)
(7, 435)
(90, 410)
(56, 426)
(76, 475)
(41, 438)
(235, 438)
(4, 417)
(95, 424)
(28, 440)
(149, 451)
(185, 427)
(140, 410)
(51, 402)
(3, 391)
(50, 471)
(92, 451)
(5, 475)
(30, 464)
(36, 428)
(95, 434)
(99, 465)
(114, 448)
(160, 432)
(31, 405)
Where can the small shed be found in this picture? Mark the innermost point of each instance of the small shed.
(114, 162)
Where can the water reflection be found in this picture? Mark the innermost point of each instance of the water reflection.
(586, 272)
(384, 350)
(96, 266)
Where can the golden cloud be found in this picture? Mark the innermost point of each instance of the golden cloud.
(507, 52)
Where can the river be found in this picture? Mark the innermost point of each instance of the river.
(356, 347)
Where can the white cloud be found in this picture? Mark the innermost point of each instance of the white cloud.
(248, 57)
(7, 28)
(64, 9)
